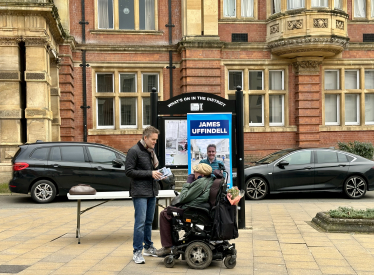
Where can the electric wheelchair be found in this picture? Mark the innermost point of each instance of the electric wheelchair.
(193, 231)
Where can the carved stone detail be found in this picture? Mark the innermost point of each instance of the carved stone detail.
(9, 75)
(320, 22)
(10, 41)
(310, 66)
(35, 76)
(310, 40)
(35, 112)
(274, 28)
(340, 24)
(10, 114)
(295, 24)
(36, 42)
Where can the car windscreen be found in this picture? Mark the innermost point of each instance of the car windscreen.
(274, 156)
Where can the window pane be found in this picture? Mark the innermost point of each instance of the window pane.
(331, 109)
(146, 14)
(360, 8)
(342, 158)
(101, 155)
(351, 79)
(369, 79)
(298, 158)
(235, 79)
(326, 157)
(150, 81)
(247, 8)
(275, 6)
(369, 108)
(276, 108)
(128, 111)
(40, 154)
(255, 109)
(338, 4)
(331, 80)
(255, 80)
(229, 8)
(126, 14)
(275, 80)
(146, 111)
(104, 83)
(351, 108)
(105, 111)
(295, 4)
(127, 83)
(319, 3)
(55, 154)
(72, 153)
(105, 14)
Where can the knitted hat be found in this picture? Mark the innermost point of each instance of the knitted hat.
(203, 168)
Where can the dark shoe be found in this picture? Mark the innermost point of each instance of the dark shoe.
(163, 251)
(151, 251)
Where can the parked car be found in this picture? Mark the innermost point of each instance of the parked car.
(47, 169)
(313, 169)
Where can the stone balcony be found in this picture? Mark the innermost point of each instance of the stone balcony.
(318, 32)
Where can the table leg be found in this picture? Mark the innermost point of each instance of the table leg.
(78, 232)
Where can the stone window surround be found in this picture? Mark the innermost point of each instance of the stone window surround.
(343, 126)
(266, 92)
(117, 95)
(116, 28)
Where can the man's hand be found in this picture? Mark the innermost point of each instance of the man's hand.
(157, 175)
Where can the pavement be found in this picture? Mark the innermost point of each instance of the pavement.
(278, 239)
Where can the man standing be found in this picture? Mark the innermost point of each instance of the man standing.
(211, 159)
(140, 165)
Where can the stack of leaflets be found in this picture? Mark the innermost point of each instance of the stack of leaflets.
(165, 172)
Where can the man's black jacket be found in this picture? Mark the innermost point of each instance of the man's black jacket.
(139, 167)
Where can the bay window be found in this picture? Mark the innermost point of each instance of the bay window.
(275, 6)
(338, 4)
(295, 4)
(320, 3)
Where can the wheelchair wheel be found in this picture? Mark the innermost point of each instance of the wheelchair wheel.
(230, 262)
(169, 261)
(198, 255)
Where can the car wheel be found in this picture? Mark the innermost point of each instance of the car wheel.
(355, 187)
(256, 188)
(43, 191)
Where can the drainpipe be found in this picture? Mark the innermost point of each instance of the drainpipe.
(84, 65)
(170, 67)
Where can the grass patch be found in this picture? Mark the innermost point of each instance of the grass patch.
(350, 213)
(4, 188)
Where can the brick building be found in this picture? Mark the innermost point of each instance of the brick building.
(306, 68)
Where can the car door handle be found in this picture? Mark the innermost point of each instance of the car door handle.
(56, 165)
(342, 165)
(99, 168)
(308, 167)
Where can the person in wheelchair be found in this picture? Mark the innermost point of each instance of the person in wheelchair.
(192, 194)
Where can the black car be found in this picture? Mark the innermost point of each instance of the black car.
(47, 169)
(313, 169)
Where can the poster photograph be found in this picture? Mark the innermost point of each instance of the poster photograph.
(176, 142)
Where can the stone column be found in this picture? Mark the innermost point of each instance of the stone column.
(55, 99)
(308, 100)
(37, 76)
(10, 104)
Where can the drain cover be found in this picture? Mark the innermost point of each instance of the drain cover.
(12, 268)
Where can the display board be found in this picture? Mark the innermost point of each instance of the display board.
(176, 142)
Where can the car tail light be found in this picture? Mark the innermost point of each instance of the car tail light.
(20, 166)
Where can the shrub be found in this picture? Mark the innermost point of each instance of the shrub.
(350, 213)
(363, 149)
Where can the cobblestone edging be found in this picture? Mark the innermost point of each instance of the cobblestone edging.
(323, 220)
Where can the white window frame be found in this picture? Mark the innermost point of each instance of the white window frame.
(136, 114)
(357, 108)
(228, 78)
(277, 123)
(97, 86)
(97, 115)
(144, 125)
(358, 79)
(368, 70)
(337, 111)
(136, 83)
(98, 17)
(337, 80)
(368, 122)
(282, 79)
(158, 80)
(262, 79)
(262, 111)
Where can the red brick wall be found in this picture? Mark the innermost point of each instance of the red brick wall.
(356, 31)
(256, 32)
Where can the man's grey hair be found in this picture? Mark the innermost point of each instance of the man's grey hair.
(148, 131)
(212, 145)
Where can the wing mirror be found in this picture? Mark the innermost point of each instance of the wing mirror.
(117, 163)
(283, 163)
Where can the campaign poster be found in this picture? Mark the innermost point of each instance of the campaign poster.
(207, 129)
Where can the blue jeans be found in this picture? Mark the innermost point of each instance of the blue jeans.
(144, 213)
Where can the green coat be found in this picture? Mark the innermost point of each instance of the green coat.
(191, 191)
